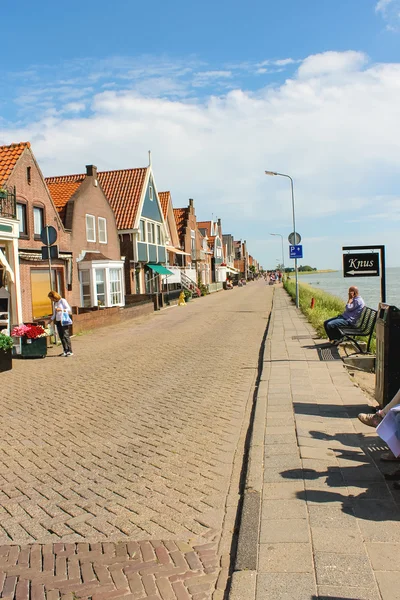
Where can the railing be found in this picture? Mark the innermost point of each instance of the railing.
(8, 203)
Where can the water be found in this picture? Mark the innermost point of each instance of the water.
(369, 287)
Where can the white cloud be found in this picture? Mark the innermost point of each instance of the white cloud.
(332, 126)
(390, 11)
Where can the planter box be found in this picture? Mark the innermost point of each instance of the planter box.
(5, 360)
(34, 348)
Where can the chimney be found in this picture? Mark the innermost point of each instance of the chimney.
(91, 171)
(219, 222)
(190, 201)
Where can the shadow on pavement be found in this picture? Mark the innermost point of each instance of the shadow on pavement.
(330, 410)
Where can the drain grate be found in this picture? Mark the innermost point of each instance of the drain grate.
(326, 354)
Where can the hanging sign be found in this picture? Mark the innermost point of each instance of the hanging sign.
(361, 264)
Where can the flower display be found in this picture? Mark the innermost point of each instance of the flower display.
(28, 331)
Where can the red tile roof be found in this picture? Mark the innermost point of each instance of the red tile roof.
(8, 159)
(164, 199)
(61, 192)
(123, 190)
(180, 215)
(205, 225)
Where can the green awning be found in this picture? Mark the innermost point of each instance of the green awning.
(160, 269)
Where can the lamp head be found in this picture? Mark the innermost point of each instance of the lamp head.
(271, 173)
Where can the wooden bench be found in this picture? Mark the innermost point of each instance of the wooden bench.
(364, 327)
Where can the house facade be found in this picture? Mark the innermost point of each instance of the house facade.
(212, 231)
(34, 210)
(241, 258)
(87, 214)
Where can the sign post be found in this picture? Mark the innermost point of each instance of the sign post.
(365, 264)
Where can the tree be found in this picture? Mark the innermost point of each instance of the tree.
(306, 268)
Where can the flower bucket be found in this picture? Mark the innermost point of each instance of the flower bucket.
(5, 360)
(36, 348)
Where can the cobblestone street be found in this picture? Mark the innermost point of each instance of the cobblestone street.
(135, 438)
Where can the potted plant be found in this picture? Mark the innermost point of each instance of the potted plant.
(33, 340)
(3, 193)
(188, 295)
(6, 345)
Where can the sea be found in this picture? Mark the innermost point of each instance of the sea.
(369, 287)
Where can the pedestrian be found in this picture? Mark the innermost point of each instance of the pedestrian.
(354, 307)
(61, 317)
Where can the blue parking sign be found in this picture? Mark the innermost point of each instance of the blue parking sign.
(296, 251)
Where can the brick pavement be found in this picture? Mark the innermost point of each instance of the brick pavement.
(330, 523)
(137, 438)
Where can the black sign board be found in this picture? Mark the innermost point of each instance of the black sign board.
(361, 264)
(53, 252)
(48, 235)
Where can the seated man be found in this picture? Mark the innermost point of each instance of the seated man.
(354, 307)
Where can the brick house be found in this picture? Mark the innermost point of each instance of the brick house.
(86, 213)
(212, 231)
(175, 251)
(241, 258)
(133, 197)
(34, 209)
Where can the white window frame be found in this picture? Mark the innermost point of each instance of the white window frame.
(151, 195)
(158, 235)
(142, 234)
(94, 228)
(119, 291)
(41, 212)
(23, 228)
(102, 220)
(83, 273)
(149, 232)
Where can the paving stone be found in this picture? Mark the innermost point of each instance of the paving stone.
(343, 570)
(283, 509)
(328, 592)
(340, 540)
(332, 518)
(285, 558)
(285, 586)
(389, 584)
(284, 530)
(384, 556)
(287, 490)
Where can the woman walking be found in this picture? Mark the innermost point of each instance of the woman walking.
(62, 319)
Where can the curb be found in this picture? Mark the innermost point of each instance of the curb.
(244, 575)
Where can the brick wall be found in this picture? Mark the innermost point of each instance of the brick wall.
(109, 316)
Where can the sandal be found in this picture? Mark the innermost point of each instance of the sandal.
(389, 457)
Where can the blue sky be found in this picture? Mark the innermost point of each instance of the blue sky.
(220, 91)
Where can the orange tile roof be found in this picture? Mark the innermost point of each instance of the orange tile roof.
(205, 225)
(62, 191)
(8, 159)
(122, 188)
(180, 215)
(164, 199)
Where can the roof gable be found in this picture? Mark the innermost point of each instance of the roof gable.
(61, 192)
(123, 190)
(180, 215)
(164, 197)
(9, 156)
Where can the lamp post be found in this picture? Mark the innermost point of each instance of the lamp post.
(274, 173)
(283, 255)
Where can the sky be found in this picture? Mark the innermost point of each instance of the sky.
(220, 91)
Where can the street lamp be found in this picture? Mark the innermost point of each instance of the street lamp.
(274, 173)
(283, 255)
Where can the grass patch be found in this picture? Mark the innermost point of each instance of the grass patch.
(326, 307)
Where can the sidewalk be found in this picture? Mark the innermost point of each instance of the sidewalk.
(329, 523)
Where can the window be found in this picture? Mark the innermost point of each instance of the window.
(86, 299)
(90, 228)
(28, 175)
(40, 287)
(102, 230)
(21, 216)
(153, 233)
(100, 287)
(150, 238)
(142, 231)
(159, 235)
(151, 192)
(115, 286)
(38, 220)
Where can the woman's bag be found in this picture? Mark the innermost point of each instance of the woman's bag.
(65, 319)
